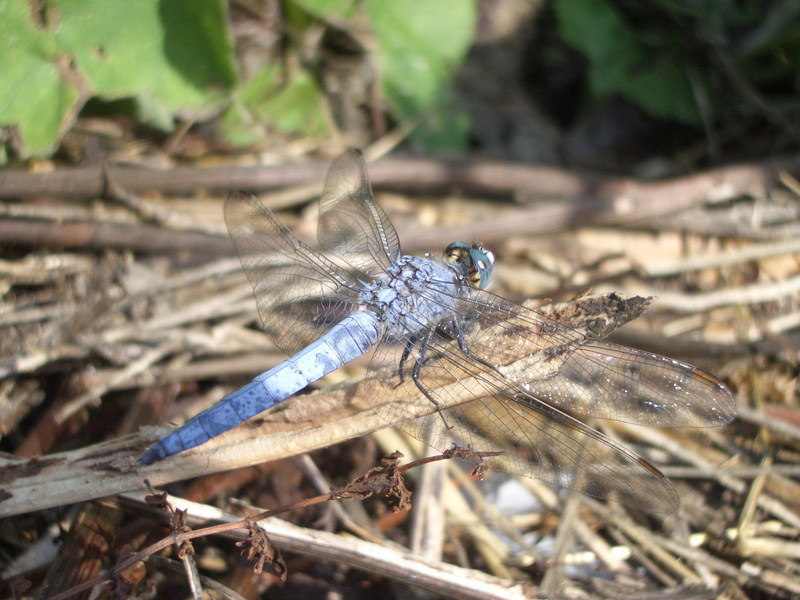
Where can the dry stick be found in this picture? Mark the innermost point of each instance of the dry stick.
(141, 364)
(319, 481)
(38, 358)
(106, 235)
(193, 576)
(748, 294)
(443, 578)
(487, 543)
(303, 192)
(749, 252)
(467, 506)
(380, 480)
(427, 533)
(90, 182)
(639, 555)
(479, 176)
(683, 551)
(158, 212)
(60, 213)
(600, 547)
(111, 468)
(599, 199)
(150, 239)
(660, 547)
(203, 272)
(731, 339)
(745, 472)
(11, 316)
(647, 541)
(771, 577)
(34, 269)
(236, 301)
(778, 425)
(241, 360)
(679, 449)
(564, 539)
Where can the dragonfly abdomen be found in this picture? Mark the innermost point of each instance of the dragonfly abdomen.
(346, 341)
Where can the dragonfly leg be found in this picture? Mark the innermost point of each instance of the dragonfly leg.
(404, 357)
(415, 371)
(458, 333)
(412, 341)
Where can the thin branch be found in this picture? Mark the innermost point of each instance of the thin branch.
(438, 577)
(474, 176)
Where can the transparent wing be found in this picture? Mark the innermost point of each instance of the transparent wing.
(518, 384)
(351, 224)
(483, 411)
(608, 381)
(300, 294)
(593, 378)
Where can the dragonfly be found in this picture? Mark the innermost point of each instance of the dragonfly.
(450, 361)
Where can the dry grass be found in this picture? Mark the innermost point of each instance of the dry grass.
(98, 342)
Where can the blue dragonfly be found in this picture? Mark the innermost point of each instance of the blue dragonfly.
(450, 360)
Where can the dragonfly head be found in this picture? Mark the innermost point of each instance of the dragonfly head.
(472, 260)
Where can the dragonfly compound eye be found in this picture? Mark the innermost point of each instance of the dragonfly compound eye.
(482, 266)
(472, 261)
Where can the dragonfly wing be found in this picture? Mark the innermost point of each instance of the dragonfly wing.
(300, 294)
(482, 410)
(609, 381)
(351, 224)
(562, 367)
(514, 382)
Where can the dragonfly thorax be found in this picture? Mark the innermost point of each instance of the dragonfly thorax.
(414, 293)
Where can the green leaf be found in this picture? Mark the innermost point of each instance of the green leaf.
(296, 107)
(421, 44)
(652, 77)
(176, 52)
(240, 125)
(33, 95)
(263, 105)
(171, 56)
(446, 129)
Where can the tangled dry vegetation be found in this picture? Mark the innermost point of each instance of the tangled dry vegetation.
(124, 311)
(131, 311)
